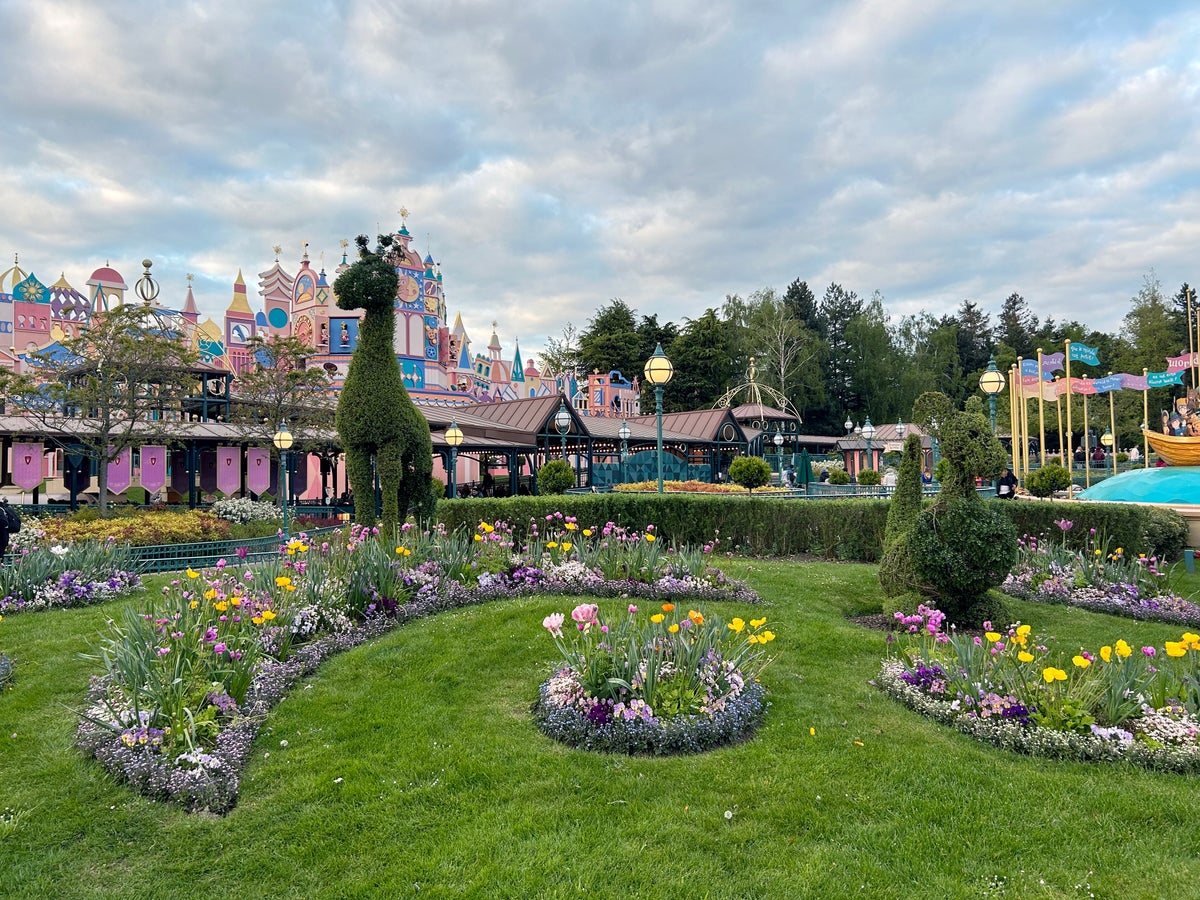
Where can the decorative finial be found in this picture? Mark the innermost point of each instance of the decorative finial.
(403, 214)
(304, 247)
(190, 277)
(343, 243)
(278, 249)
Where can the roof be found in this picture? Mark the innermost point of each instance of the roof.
(108, 277)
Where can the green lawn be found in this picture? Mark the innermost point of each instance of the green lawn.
(411, 769)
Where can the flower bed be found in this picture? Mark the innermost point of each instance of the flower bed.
(190, 676)
(65, 575)
(1007, 689)
(1096, 577)
(658, 685)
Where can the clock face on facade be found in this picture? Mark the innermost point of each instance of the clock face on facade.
(408, 289)
(304, 329)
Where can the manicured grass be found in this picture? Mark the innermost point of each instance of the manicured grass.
(411, 768)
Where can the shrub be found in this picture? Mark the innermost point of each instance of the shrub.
(750, 472)
(869, 476)
(1047, 480)
(896, 573)
(241, 510)
(839, 476)
(960, 549)
(555, 477)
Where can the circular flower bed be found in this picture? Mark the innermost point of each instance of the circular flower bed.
(656, 685)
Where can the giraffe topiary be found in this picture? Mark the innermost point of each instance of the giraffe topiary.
(375, 416)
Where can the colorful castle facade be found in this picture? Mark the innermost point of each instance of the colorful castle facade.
(435, 357)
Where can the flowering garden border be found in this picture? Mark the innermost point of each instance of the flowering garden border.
(209, 781)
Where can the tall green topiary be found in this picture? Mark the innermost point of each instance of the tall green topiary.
(896, 573)
(962, 547)
(375, 416)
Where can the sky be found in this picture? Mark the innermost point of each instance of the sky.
(556, 155)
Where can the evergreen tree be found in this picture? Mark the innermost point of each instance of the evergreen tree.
(896, 575)
(703, 365)
(612, 341)
(1017, 326)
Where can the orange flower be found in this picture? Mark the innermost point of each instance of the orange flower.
(668, 607)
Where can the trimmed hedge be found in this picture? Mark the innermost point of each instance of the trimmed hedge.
(834, 529)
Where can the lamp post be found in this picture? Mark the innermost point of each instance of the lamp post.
(562, 421)
(933, 443)
(454, 439)
(1107, 440)
(658, 372)
(991, 383)
(868, 432)
(283, 443)
(778, 442)
(623, 434)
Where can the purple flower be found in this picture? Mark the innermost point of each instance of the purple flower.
(219, 648)
(1065, 524)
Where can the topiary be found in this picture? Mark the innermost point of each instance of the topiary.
(869, 477)
(960, 548)
(896, 573)
(750, 472)
(1047, 480)
(839, 476)
(555, 477)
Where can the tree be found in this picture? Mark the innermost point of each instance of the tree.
(375, 416)
(750, 472)
(612, 341)
(703, 365)
(801, 304)
(555, 477)
(281, 388)
(1016, 326)
(896, 572)
(838, 309)
(561, 354)
(120, 384)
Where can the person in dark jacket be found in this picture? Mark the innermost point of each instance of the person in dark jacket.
(1006, 485)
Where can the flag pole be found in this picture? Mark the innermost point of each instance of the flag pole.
(1146, 416)
(1112, 428)
(1069, 458)
(1014, 375)
(1192, 362)
(1041, 414)
(1087, 450)
(1058, 410)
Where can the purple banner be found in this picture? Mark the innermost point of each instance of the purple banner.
(208, 471)
(258, 470)
(27, 465)
(179, 473)
(154, 468)
(1181, 362)
(299, 474)
(229, 470)
(120, 471)
(1052, 362)
(1135, 382)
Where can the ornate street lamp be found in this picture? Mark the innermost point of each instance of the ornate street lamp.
(623, 434)
(868, 432)
(658, 372)
(991, 383)
(900, 429)
(848, 425)
(283, 443)
(562, 421)
(778, 442)
(1107, 440)
(454, 439)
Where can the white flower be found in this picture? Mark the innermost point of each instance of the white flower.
(60, 550)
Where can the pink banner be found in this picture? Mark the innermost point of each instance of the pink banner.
(154, 468)
(179, 473)
(1182, 362)
(229, 470)
(258, 470)
(27, 465)
(120, 471)
(1135, 382)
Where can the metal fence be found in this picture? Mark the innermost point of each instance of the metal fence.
(175, 557)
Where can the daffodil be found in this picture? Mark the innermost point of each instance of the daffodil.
(766, 637)
(758, 623)
(736, 626)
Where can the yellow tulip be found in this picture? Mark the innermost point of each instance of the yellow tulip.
(1081, 661)
(587, 532)
(1175, 648)
(992, 636)
(657, 618)
(221, 606)
(210, 594)
(551, 545)
(758, 623)
(812, 732)
(1106, 653)
(651, 538)
(479, 537)
(1051, 674)
(268, 615)
(1024, 630)
(1123, 649)
(193, 604)
(736, 626)
(191, 573)
(1025, 656)
(767, 636)
(673, 628)
(282, 580)
(571, 526)
(566, 545)
(1190, 638)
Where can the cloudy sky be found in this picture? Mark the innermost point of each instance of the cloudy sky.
(554, 155)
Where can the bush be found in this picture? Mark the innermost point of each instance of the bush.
(869, 477)
(1047, 480)
(555, 477)
(838, 476)
(750, 472)
(896, 573)
(960, 549)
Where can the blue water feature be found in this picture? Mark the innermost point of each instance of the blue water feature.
(1171, 484)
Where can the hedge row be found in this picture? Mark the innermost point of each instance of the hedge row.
(834, 529)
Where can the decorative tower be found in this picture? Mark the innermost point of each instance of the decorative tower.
(239, 327)
(275, 286)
